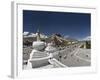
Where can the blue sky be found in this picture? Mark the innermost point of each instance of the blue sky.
(76, 25)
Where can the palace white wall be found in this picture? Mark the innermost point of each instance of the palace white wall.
(5, 39)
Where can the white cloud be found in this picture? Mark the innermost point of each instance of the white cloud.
(25, 33)
(32, 35)
(87, 38)
(66, 36)
(43, 36)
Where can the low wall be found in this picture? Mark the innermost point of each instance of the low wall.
(39, 62)
(56, 63)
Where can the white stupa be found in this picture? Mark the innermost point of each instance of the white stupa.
(50, 47)
(38, 58)
(38, 45)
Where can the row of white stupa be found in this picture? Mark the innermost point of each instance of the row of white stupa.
(38, 57)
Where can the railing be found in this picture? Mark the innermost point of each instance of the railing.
(56, 63)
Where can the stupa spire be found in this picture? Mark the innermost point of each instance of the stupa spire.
(38, 35)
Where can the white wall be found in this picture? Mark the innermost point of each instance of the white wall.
(5, 43)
